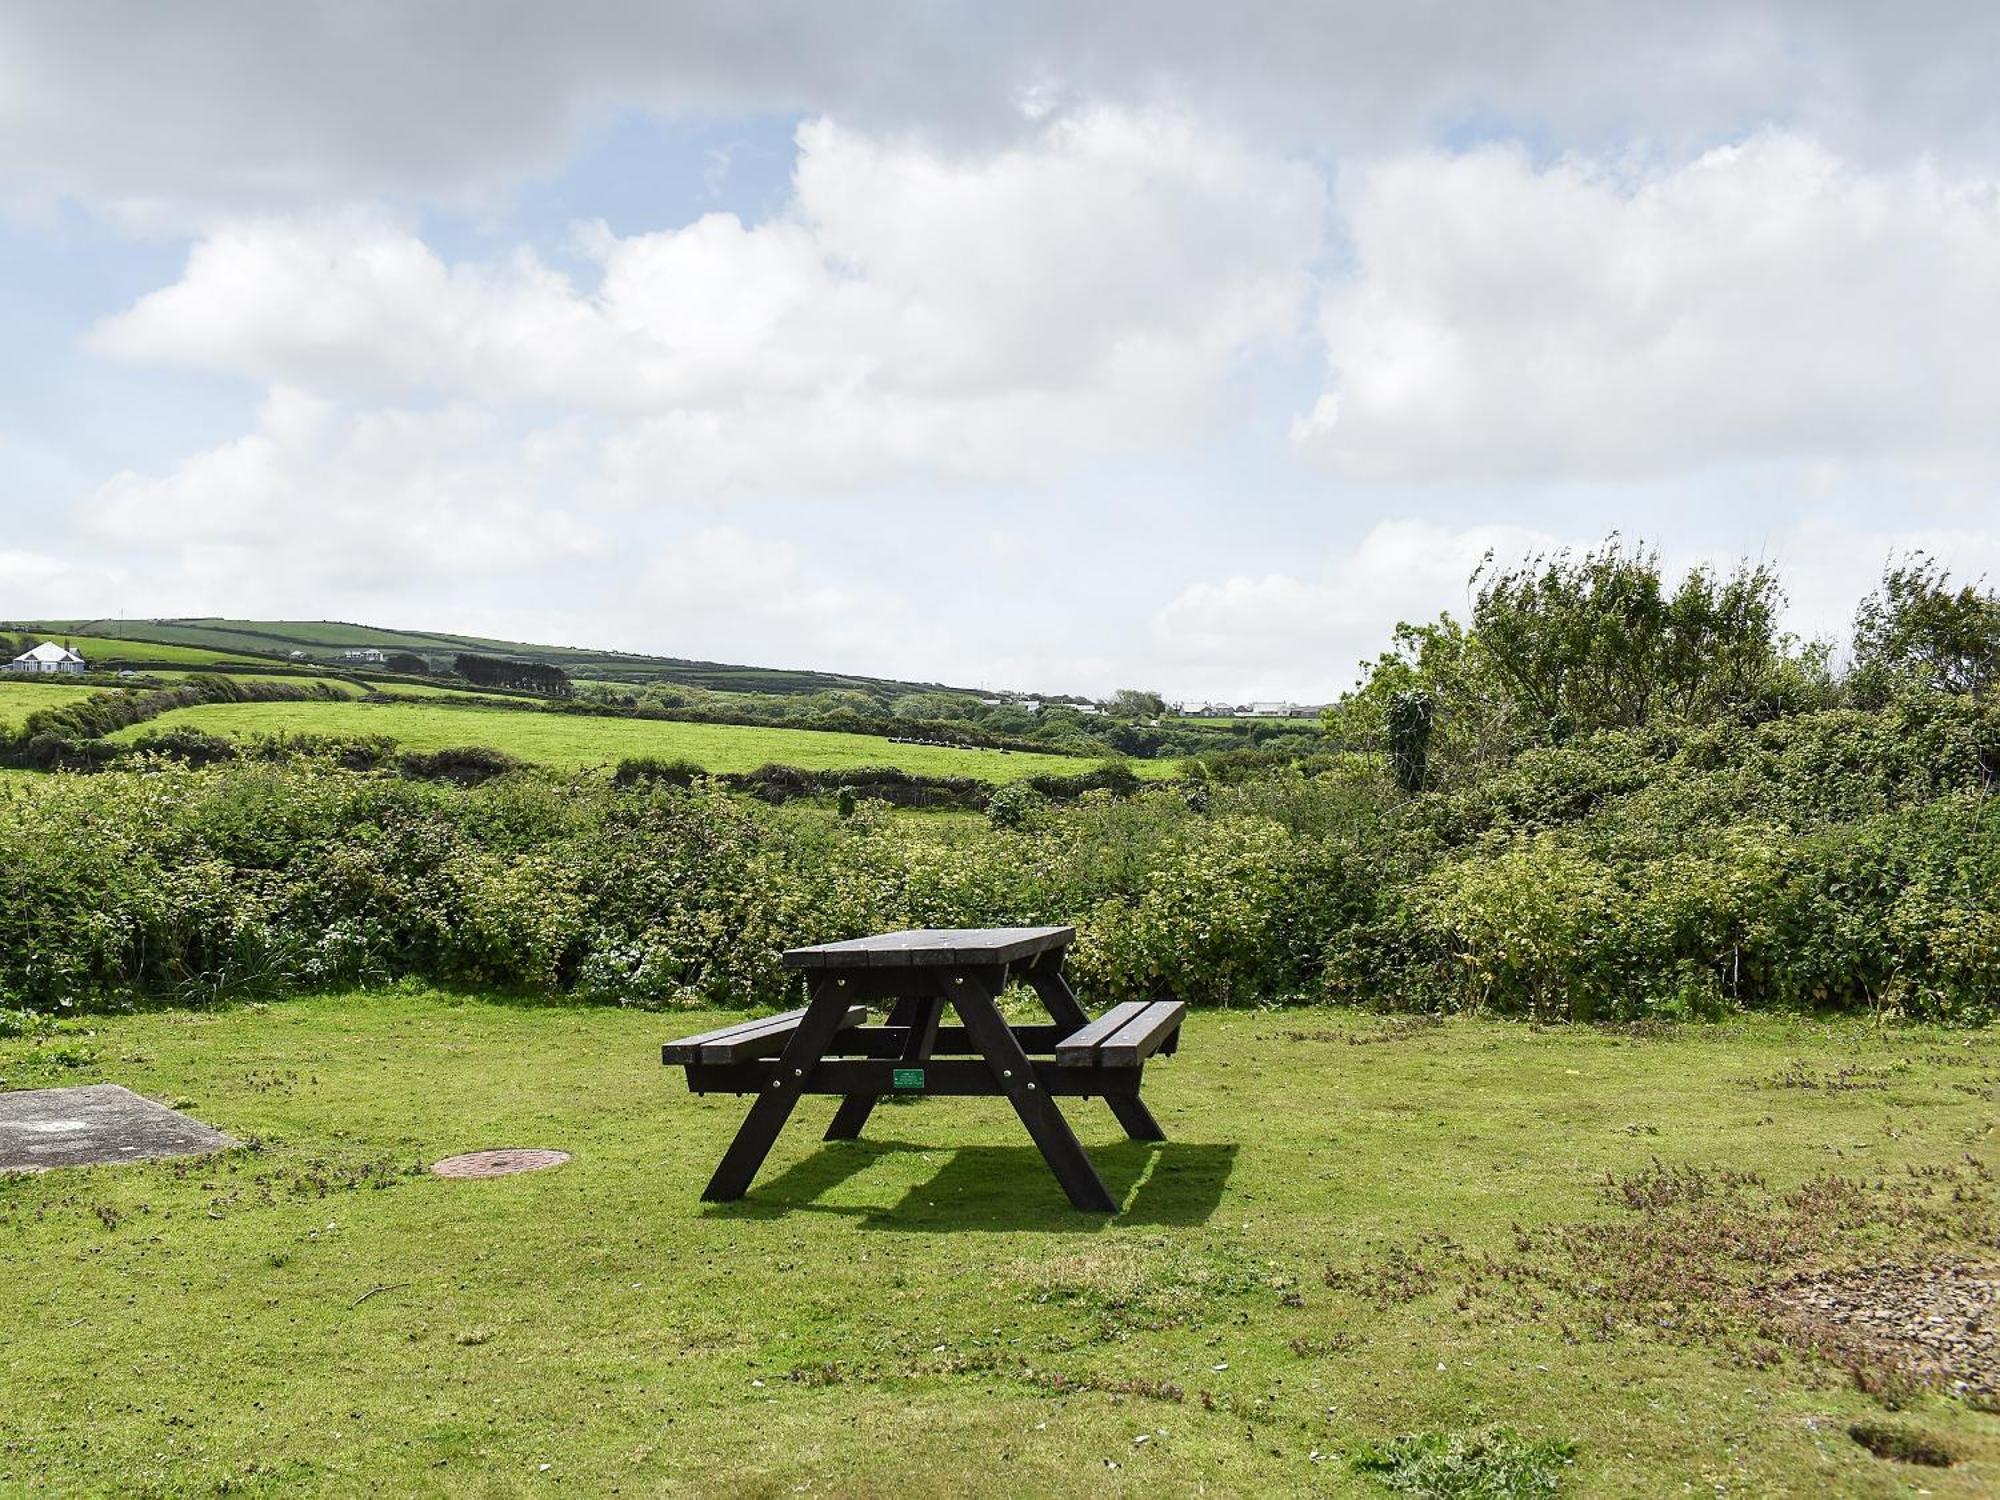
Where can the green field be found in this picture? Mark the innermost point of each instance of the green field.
(114, 652)
(1299, 1271)
(440, 690)
(19, 699)
(572, 741)
(328, 637)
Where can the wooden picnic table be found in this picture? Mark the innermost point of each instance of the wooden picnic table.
(826, 1048)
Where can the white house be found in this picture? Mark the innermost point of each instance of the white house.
(368, 655)
(47, 657)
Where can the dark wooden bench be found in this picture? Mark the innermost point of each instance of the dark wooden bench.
(748, 1039)
(1124, 1036)
(827, 1049)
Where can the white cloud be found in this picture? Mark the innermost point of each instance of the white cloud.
(1586, 319)
(1285, 635)
(981, 317)
(253, 102)
(318, 498)
(1302, 635)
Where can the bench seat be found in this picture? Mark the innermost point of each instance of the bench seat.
(745, 1040)
(1124, 1036)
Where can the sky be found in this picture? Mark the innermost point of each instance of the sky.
(1048, 346)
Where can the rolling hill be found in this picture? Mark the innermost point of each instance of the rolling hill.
(324, 640)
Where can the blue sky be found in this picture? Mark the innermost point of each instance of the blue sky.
(1062, 348)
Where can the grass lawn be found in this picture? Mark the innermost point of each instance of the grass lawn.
(578, 740)
(19, 699)
(920, 1313)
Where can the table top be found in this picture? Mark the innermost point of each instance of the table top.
(932, 945)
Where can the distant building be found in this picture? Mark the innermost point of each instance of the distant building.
(364, 656)
(47, 657)
(1270, 710)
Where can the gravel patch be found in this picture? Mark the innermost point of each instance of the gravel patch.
(1940, 1321)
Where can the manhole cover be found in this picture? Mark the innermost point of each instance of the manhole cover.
(502, 1163)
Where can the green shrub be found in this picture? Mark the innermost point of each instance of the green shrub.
(1840, 860)
(468, 765)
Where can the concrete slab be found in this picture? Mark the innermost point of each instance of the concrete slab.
(98, 1125)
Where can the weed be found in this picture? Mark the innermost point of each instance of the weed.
(1494, 1463)
(1397, 1278)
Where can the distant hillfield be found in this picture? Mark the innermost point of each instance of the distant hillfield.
(324, 640)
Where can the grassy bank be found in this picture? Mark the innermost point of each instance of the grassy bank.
(576, 741)
(920, 1313)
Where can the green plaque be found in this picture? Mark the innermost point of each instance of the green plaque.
(907, 1078)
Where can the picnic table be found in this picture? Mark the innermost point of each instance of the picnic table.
(827, 1047)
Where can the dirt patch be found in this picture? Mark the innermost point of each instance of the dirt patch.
(1903, 1445)
(502, 1163)
(1939, 1321)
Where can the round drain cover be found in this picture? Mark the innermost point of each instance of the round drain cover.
(502, 1163)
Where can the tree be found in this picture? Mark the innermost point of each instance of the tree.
(934, 706)
(1595, 641)
(1471, 717)
(1917, 629)
(1412, 714)
(520, 676)
(1136, 703)
(406, 662)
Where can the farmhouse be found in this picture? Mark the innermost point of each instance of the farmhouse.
(365, 655)
(47, 657)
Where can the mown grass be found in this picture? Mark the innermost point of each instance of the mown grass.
(575, 741)
(19, 699)
(920, 1313)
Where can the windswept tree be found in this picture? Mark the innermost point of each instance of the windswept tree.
(1564, 644)
(1917, 630)
(1596, 640)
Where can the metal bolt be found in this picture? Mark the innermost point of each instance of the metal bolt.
(1031, 1087)
(841, 982)
(798, 1072)
(1006, 1072)
(958, 979)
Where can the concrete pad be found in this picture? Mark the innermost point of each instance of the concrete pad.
(98, 1125)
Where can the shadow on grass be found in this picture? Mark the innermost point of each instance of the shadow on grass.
(998, 1188)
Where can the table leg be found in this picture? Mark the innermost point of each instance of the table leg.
(825, 1014)
(1065, 1009)
(921, 1016)
(975, 1000)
